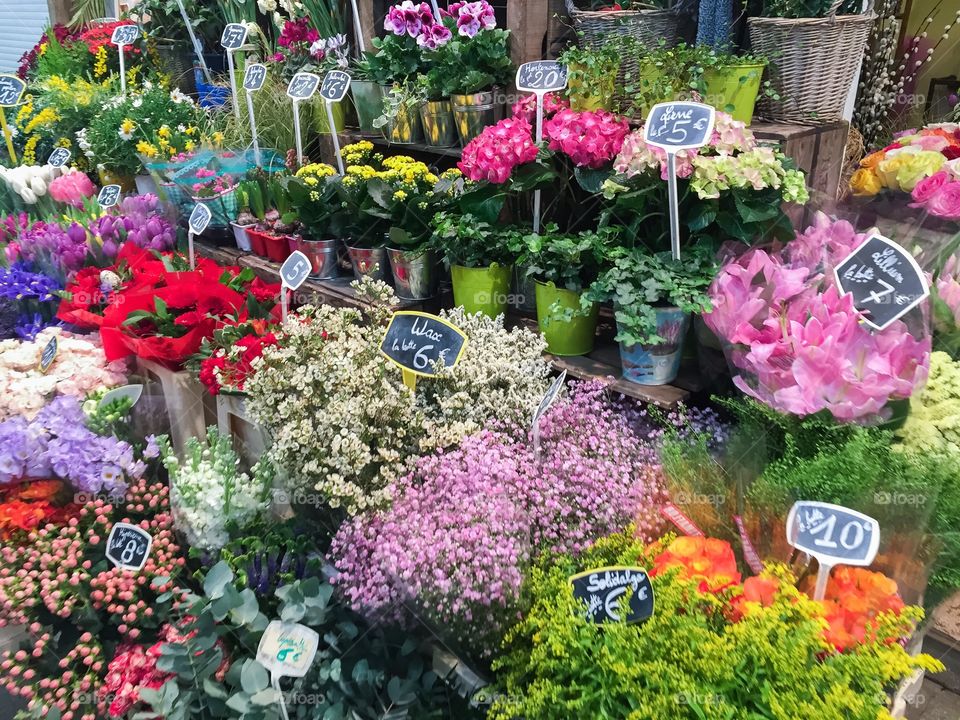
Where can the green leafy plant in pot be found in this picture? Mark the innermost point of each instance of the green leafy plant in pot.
(251, 211)
(313, 196)
(480, 256)
(653, 296)
(400, 120)
(591, 76)
(729, 82)
(563, 266)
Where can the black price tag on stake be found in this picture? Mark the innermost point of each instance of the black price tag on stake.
(602, 590)
(59, 157)
(49, 354)
(541, 76)
(417, 342)
(234, 36)
(679, 125)
(833, 534)
(254, 76)
(199, 218)
(335, 85)
(11, 90)
(295, 270)
(109, 196)
(125, 35)
(884, 279)
(303, 86)
(128, 546)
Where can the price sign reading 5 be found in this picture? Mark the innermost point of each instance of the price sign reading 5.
(11, 90)
(541, 76)
(234, 36)
(303, 86)
(254, 76)
(295, 270)
(335, 85)
(125, 35)
(833, 534)
(679, 125)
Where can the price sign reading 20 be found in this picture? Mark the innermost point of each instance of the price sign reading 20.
(541, 76)
(677, 126)
(833, 534)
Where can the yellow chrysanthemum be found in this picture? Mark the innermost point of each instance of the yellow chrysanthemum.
(148, 149)
(24, 113)
(164, 131)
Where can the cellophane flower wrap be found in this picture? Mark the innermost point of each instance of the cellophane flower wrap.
(798, 345)
(466, 524)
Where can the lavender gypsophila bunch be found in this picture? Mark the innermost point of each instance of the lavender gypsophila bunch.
(466, 524)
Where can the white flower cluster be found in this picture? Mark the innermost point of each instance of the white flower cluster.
(209, 495)
(343, 423)
(30, 182)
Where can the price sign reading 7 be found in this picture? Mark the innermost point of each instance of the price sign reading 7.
(677, 126)
(233, 37)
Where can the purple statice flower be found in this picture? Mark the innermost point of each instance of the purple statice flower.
(466, 524)
(57, 443)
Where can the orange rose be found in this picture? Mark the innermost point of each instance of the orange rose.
(872, 160)
(709, 560)
(759, 591)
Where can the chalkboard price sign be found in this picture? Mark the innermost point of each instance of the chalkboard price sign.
(335, 85)
(11, 90)
(677, 126)
(254, 76)
(602, 590)
(833, 534)
(234, 36)
(303, 86)
(199, 218)
(884, 279)
(541, 76)
(418, 341)
(109, 196)
(128, 546)
(59, 157)
(125, 35)
(287, 649)
(49, 354)
(295, 270)
(552, 392)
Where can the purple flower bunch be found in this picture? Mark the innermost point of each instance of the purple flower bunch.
(466, 524)
(58, 444)
(18, 282)
(472, 17)
(140, 221)
(53, 249)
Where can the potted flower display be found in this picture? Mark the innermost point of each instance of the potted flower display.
(216, 191)
(272, 233)
(313, 195)
(591, 76)
(362, 228)
(367, 96)
(480, 257)
(731, 82)
(400, 121)
(251, 206)
(563, 267)
(653, 296)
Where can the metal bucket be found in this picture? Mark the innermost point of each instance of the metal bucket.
(368, 102)
(439, 129)
(472, 113)
(322, 255)
(406, 128)
(414, 273)
(368, 262)
(657, 364)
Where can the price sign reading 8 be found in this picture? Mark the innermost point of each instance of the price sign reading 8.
(335, 85)
(109, 196)
(59, 157)
(128, 546)
(833, 534)
(303, 86)
(541, 76)
(125, 35)
(679, 125)
(234, 36)
(11, 90)
(254, 76)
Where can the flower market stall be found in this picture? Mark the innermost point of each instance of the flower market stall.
(462, 360)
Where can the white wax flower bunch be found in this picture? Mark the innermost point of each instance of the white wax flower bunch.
(208, 493)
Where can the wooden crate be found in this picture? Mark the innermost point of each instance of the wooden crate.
(249, 439)
(186, 408)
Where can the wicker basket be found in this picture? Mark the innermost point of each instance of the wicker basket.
(814, 63)
(596, 28)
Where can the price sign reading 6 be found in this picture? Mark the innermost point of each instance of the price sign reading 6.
(234, 36)
(335, 85)
(833, 534)
(418, 342)
(303, 86)
(541, 76)
(109, 196)
(254, 76)
(677, 126)
(59, 157)
(11, 90)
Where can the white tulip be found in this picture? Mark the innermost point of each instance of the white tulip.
(38, 185)
(28, 196)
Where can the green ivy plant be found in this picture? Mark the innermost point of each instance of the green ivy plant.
(359, 672)
(463, 239)
(571, 262)
(590, 71)
(637, 281)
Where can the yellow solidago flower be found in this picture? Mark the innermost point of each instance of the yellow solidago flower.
(47, 116)
(24, 113)
(56, 82)
(30, 151)
(100, 62)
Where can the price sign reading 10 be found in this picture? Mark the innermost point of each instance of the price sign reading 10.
(833, 534)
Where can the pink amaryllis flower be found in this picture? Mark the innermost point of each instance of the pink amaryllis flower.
(434, 36)
(408, 18)
(472, 17)
(495, 152)
(591, 139)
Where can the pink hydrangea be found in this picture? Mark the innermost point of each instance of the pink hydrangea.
(526, 106)
(408, 18)
(800, 345)
(496, 151)
(72, 189)
(591, 139)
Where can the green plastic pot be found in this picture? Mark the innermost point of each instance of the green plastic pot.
(483, 289)
(596, 94)
(321, 124)
(734, 89)
(573, 336)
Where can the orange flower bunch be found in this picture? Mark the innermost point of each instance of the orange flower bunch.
(708, 560)
(854, 598)
(29, 506)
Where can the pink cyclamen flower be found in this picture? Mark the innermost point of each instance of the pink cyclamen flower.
(434, 36)
(945, 203)
(472, 17)
(591, 139)
(495, 152)
(72, 189)
(408, 18)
